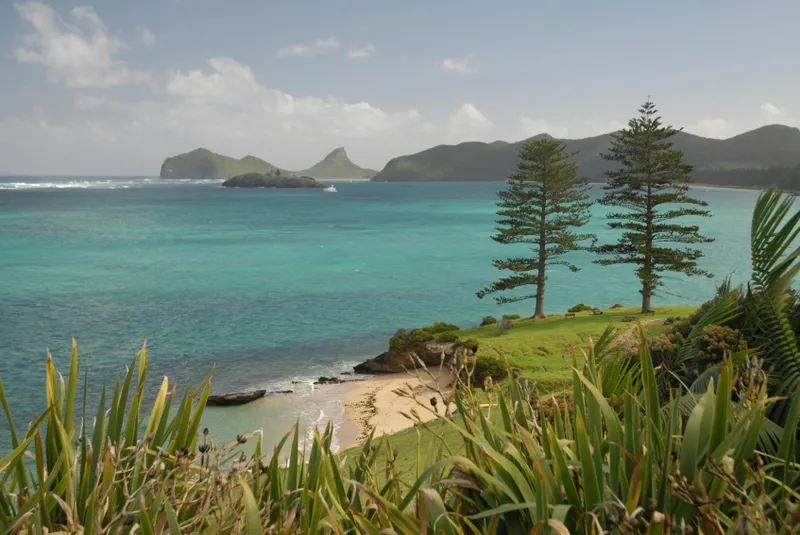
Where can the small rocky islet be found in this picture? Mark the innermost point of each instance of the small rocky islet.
(261, 180)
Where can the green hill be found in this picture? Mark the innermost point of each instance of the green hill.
(766, 147)
(204, 164)
(337, 165)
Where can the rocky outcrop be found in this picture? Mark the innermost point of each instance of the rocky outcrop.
(258, 180)
(236, 398)
(327, 381)
(398, 361)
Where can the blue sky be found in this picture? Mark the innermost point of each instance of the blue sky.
(113, 86)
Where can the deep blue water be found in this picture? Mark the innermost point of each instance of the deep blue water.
(269, 285)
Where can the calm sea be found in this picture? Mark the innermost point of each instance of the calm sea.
(272, 287)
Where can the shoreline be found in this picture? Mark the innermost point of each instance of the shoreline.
(375, 403)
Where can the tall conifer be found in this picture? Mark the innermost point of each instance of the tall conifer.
(650, 184)
(544, 203)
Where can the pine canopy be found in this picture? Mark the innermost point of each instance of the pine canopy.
(543, 204)
(650, 190)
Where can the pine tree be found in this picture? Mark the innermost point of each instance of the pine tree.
(543, 204)
(651, 184)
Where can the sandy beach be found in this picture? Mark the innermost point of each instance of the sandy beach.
(375, 403)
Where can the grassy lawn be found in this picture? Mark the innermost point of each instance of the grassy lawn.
(541, 349)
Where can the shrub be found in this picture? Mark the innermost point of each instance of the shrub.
(511, 317)
(447, 337)
(484, 366)
(397, 342)
(615, 306)
(717, 341)
(488, 320)
(670, 321)
(580, 307)
(440, 327)
(470, 343)
(504, 325)
(404, 340)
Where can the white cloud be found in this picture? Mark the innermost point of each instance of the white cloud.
(84, 102)
(79, 53)
(468, 119)
(229, 83)
(320, 46)
(770, 110)
(711, 127)
(147, 37)
(458, 66)
(361, 52)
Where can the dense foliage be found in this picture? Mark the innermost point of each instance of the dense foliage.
(543, 206)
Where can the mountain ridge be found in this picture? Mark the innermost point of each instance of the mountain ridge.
(764, 147)
(337, 165)
(204, 164)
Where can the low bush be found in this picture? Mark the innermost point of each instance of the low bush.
(615, 306)
(504, 325)
(446, 337)
(470, 344)
(717, 341)
(670, 321)
(580, 307)
(404, 340)
(488, 320)
(511, 317)
(440, 327)
(484, 366)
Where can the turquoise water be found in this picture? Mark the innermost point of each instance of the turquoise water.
(270, 286)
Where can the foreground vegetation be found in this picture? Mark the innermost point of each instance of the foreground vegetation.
(658, 439)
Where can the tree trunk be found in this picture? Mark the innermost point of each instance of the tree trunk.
(647, 287)
(646, 297)
(540, 300)
(542, 265)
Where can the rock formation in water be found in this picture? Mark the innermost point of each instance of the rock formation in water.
(259, 180)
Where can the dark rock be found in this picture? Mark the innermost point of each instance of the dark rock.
(327, 381)
(258, 180)
(236, 398)
(282, 392)
(399, 361)
(347, 373)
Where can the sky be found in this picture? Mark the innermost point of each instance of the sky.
(112, 87)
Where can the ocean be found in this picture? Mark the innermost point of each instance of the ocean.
(271, 288)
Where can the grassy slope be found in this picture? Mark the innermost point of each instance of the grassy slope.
(539, 348)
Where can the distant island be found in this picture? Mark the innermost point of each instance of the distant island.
(767, 156)
(261, 180)
(337, 165)
(764, 157)
(202, 164)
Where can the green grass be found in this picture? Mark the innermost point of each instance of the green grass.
(540, 349)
